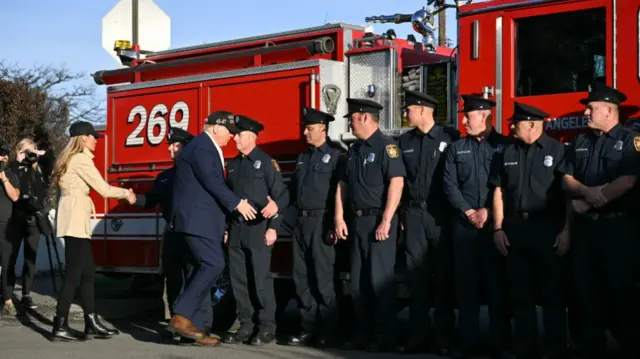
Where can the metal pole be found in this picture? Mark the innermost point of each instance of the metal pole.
(134, 22)
(442, 28)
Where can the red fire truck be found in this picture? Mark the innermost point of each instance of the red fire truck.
(539, 52)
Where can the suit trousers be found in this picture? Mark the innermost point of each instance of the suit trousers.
(208, 264)
(313, 262)
(251, 280)
(175, 265)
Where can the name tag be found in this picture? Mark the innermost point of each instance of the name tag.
(582, 149)
(463, 152)
(408, 151)
(510, 164)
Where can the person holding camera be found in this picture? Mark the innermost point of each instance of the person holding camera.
(8, 195)
(23, 226)
(75, 174)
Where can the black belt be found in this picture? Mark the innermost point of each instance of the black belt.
(313, 212)
(608, 215)
(367, 212)
(417, 204)
(529, 215)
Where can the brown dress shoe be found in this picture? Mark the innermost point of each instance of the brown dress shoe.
(207, 342)
(184, 327)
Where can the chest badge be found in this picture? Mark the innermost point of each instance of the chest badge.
(371, 157)
(500, 148)
(618, 145)
(326, 158)
(548, 161)
(443, 146)
(257, 165)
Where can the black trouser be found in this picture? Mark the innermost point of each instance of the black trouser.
(477, 261)
(373, 276)
(5, 254)
(79, 270)
(313, 262)
(251, 280)
(21, 230)
(533, 266)
(605, 252)
(175, 265)
(429, 251)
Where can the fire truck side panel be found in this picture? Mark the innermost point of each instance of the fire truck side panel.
(478, 37)
(98, 242)
(564, 88)
(627, 70)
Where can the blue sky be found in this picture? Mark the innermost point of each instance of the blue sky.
(68, 32)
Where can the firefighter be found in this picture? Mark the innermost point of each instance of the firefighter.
(600, 174)
(373, 181)
(315, 180)
(476, 261)
(531, 232)
(254, 175)
(173, 248)
(423, 152)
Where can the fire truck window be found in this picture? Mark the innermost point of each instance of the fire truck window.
(560, 53)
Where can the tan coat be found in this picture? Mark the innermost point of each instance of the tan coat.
(75, 207)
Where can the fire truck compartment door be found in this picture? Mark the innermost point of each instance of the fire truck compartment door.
(550, 55)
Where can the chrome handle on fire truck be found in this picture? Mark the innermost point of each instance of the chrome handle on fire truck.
(487, 91)
(312, 100)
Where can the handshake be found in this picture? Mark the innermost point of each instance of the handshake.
(131, 197)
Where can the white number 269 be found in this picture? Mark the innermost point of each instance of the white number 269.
(156, 119)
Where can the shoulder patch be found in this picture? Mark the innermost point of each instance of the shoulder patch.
(392, 151)
(275, 165)
(636, 143)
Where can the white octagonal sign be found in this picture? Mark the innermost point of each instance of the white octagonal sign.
(154, 26)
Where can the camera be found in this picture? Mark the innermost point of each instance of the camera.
(30, 157)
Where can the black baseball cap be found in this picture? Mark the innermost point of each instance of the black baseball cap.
(83, 128)
(223, 118)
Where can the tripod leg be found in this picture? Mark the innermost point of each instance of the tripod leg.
(55, 251)
(53, 273)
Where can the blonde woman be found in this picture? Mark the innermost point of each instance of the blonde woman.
(74, 174)
(23, 225)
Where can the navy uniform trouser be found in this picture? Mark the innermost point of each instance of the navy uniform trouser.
(533, 269)
(175, 265)
(313, 264)
(251, 279)
(429, 252)
(478, 263)
(208, 260)
(605, 253)
(373, 276)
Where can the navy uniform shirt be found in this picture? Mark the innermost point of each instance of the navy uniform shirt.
(468, 169)
(370, 166)
(595, 160)
(530, 177)
(161, 193)
(256, 176)
(316, 176)
(423, 155)
(6, 204)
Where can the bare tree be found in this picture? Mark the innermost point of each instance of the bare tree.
(41, 102)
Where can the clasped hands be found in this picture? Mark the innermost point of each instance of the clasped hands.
(593, 198)
(477, 217)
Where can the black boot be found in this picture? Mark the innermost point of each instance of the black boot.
(61, 330)
(93, 328)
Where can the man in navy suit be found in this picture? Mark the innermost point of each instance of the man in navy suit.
(201, 203)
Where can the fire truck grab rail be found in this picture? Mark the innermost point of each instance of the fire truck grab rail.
(323, 45)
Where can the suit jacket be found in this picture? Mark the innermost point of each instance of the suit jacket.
(201, 199)
(75, 207)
